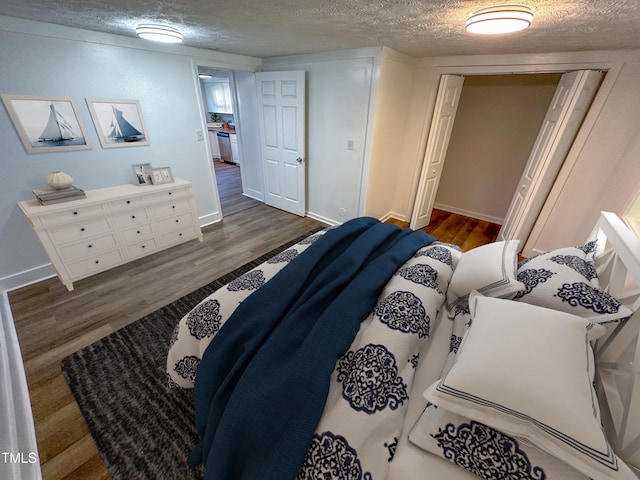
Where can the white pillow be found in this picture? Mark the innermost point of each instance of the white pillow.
(528, 371)
(490, 269)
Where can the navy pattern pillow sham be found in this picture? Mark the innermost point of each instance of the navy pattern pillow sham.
(566, 280)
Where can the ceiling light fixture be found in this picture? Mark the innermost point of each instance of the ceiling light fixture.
(499, 19)
(159, 33)
(204, 75)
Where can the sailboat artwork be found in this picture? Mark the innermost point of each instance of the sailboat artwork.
(58, 129)
(47, 124)
(121, 129)
(119, 123)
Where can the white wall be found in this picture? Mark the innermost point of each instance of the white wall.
(49, 60)
(601, 171)
(339, 87)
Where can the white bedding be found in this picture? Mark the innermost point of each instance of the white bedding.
(410, 461)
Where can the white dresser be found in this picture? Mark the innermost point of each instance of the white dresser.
(112, 226)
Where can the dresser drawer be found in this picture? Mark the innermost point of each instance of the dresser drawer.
(144, 247)
(126, 203)
(132, 217)
(88, 247)
(179, 205)
(95, 264)
(168, 195)
(79, 230)
(180, 235)
(176, 222)
(138, 232)
(72, 215)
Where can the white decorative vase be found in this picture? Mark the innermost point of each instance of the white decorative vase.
(59, 180)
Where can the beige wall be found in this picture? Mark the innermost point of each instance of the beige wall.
(496, 125)
(602, 170)
(390, 121)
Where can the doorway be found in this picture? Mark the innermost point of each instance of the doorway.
(495, 127)
(494, 133)
(217, 88)
(267, 110)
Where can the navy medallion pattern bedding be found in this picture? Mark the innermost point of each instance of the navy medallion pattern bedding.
(367, 392)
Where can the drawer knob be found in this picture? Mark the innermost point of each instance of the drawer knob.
(138, 232)
(180, 234)
(97, 261)
(133, 216)
(75, 213)
(128, 201)
(142, 246)
(90, 246)
(169, 193)
(82, 229)
(177, 220)
(173, 206)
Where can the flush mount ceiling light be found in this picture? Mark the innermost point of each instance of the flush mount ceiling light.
(159, 33)
(204, 75)
(499, 19)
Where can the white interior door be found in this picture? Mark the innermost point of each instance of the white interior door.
(569, 105)
(444, 115)
(282, 118)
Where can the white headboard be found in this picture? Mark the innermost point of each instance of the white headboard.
(618, 352)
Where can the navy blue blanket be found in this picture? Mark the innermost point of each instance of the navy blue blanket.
(264, 378)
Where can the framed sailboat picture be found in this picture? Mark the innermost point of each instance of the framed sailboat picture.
(119, 123)
(47, 124)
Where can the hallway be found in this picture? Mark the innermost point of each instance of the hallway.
(230, 189)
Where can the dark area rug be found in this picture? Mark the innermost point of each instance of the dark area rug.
(142, 428)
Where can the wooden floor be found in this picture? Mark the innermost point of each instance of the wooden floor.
(466, 232)
(230, 189)
(52, 323)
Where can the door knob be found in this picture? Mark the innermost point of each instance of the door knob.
(299, 160)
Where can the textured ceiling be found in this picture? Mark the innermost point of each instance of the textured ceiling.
(262, 28)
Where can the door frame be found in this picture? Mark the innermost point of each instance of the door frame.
(218, 214)
(612, 71)
(443, 119)
(568, 108)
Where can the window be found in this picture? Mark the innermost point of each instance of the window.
(218, 95)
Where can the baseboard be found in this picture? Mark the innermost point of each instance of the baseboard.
(394, 215)
(209, 219)
(322, 219)
(27, 277)
(259, 196)
(469, 213)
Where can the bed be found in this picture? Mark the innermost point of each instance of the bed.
(463, 365)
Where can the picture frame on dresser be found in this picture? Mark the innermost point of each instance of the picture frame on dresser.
(141, 172)
(47, 124)
(119, 123)
(161, 175)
